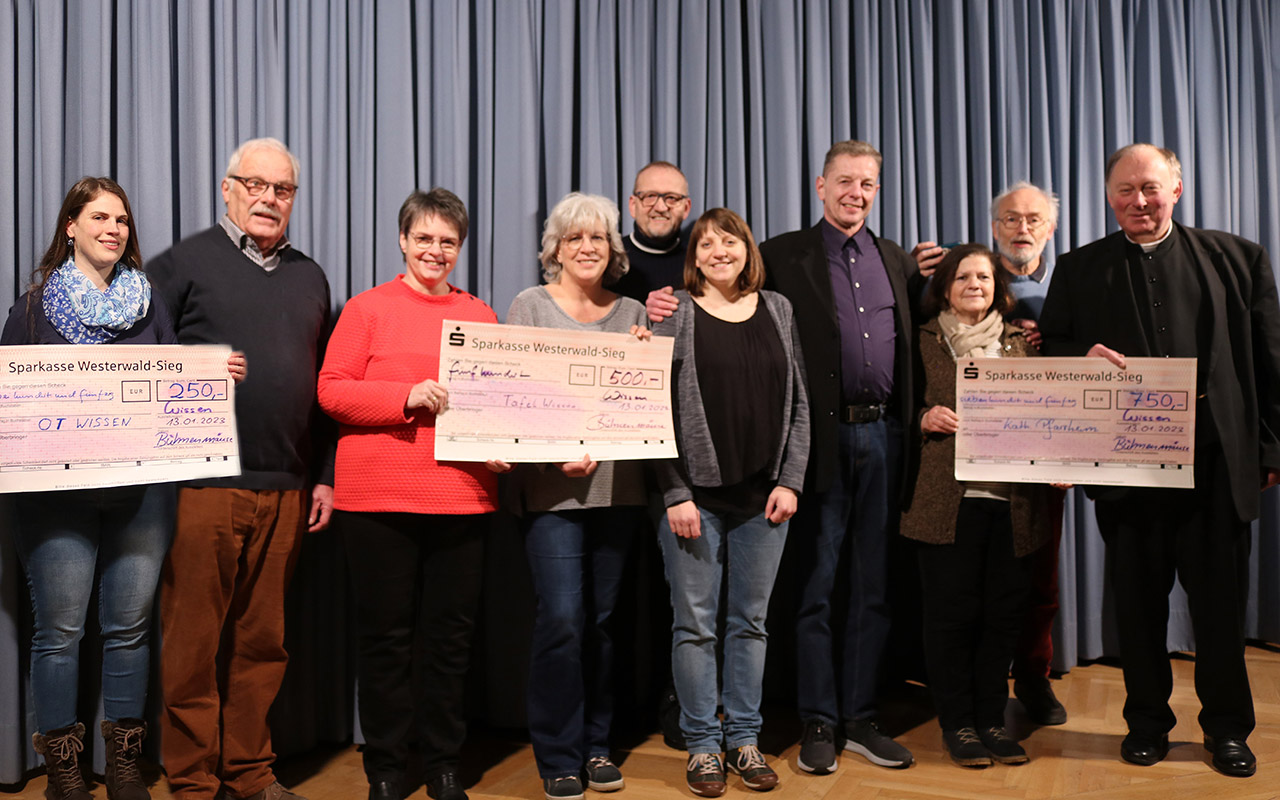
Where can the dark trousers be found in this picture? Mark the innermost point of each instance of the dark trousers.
(1034, 651)
(577, 559)
(1151, 534)
(416, 577)
(974, 602)
(846, 527)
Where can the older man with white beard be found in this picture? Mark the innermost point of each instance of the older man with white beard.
(1023, 219)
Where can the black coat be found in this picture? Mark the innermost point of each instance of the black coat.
(796, 267)
(1090, 302)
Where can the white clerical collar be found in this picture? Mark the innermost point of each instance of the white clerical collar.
(1147, 247)
(654, 250)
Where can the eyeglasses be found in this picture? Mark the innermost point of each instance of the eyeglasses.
(1011, 222)
(422, 241)
(256, 186)
(574, 241)
(650, 199)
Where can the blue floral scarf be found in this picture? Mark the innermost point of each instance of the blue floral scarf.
(85, 314)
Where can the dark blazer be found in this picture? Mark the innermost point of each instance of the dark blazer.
(933, 494)
(1090, 302)
(796, 267)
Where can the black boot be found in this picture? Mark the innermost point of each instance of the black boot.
(124, 745)
(61, 751)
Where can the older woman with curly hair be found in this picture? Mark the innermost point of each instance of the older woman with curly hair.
(581, 517)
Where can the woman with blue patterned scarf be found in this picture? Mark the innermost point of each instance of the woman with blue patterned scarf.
(90, 289)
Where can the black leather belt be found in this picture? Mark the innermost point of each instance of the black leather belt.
(863, 413)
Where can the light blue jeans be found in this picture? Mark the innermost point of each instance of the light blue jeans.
(745, 552)
(63, 538)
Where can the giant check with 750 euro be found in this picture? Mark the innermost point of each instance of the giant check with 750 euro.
(85, 416)
(1077, 420)
(527, 394)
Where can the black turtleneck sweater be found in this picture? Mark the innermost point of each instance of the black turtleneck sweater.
(654, 263)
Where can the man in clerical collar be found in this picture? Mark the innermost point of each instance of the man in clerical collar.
(1159, 289)
(659, 204)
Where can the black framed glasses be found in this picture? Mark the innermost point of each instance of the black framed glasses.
(256, 186)
(650, 199)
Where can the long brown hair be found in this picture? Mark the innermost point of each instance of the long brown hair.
(81, 193)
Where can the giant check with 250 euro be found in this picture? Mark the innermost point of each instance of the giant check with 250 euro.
(84, 416)
(527, 394)
(1077, 420)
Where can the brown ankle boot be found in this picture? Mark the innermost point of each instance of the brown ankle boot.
(61, 751)
(124, 745)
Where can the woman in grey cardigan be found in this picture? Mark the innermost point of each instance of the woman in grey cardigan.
(581, 517)
(742, 426)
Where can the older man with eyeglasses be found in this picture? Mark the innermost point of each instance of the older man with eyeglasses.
(222, 594)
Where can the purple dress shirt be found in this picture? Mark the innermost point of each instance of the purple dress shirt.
(865, 313)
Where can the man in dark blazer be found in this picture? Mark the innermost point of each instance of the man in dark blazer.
(849, 291)
(1156, 288)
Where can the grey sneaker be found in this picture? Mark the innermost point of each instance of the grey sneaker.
(817, 748)
(603, 775)
(863, 736)
(568, 787)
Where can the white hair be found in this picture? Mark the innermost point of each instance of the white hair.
(1049, 197)
(265, 143)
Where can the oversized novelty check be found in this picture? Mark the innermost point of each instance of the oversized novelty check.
(519, 393)
(1077, 420)
(84, 416)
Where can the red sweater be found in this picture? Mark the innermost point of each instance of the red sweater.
(387, 340)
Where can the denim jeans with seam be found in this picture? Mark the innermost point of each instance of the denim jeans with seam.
(745, 552)
(578, 559)
(63, 538)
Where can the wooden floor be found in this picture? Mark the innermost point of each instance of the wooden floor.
(1077, 760)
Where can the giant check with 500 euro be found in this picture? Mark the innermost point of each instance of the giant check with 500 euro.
(527, 394)
(1077, 420)
(84, 416)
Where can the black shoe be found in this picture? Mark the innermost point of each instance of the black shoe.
(603, 775)
(1231, 756)
(1041, 704)
(817, 748)
(705, 774)
(445, 786)
(1004, 749)
(966, 748)
(1143, 749)
(567, 787)
(384, 790)
(669, 720)
(863, 736)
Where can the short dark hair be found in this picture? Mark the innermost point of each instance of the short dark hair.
(852, 147)
(81, 193)
(438, 202)
(751, 279)
(935, 298)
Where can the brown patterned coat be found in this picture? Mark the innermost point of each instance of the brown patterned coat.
(933, 498)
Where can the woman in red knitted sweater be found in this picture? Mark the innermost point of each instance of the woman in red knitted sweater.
(413, 526)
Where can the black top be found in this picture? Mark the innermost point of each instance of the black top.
(742, 375)
(654, 263)
(280, 319)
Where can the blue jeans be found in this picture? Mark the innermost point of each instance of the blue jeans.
(747, 551)
(62, 538)
(861, 505)
(578, 559)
